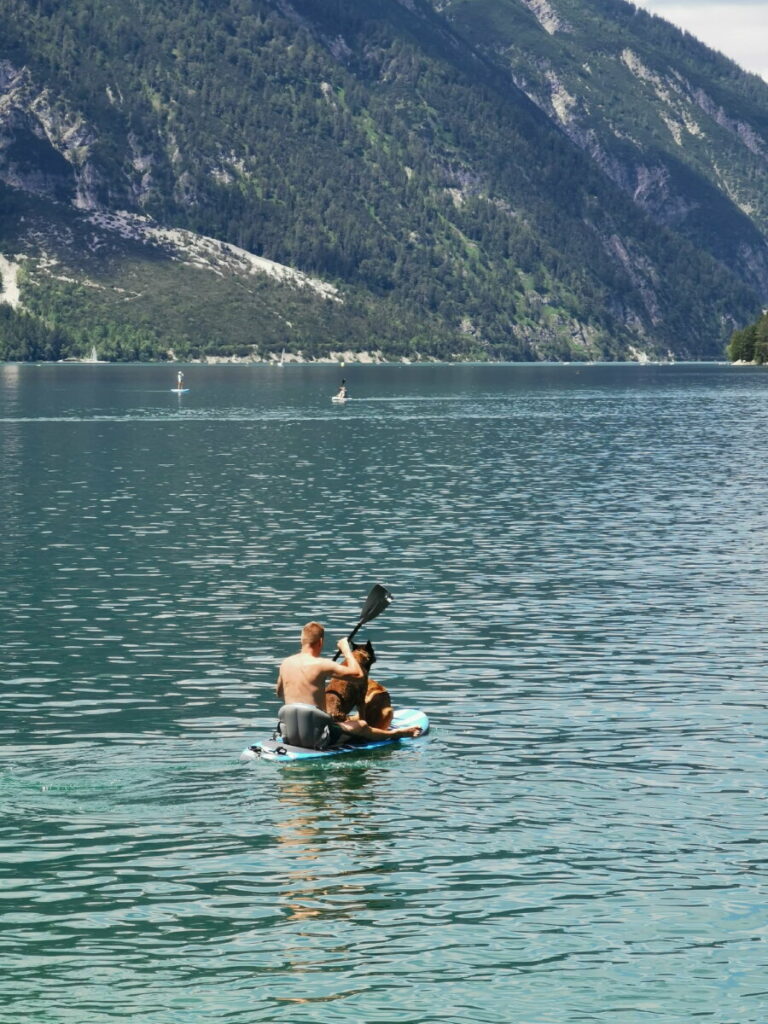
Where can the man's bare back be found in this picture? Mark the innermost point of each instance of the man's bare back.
(303, 676)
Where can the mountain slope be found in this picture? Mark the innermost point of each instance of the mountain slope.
(139, 291)
(679, 128)
(412, 154)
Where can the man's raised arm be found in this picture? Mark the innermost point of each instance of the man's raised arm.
(352, 669)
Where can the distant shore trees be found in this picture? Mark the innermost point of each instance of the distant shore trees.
(750, 344)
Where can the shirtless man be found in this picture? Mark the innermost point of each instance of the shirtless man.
(303, 676)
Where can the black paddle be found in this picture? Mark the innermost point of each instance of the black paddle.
(375, 603)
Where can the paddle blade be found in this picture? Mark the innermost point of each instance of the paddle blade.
(375, 603)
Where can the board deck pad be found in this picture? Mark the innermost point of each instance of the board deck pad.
(276, 750)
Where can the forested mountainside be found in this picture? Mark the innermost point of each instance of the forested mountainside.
(486, 179)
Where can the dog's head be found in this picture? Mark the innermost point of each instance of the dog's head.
(364, 655)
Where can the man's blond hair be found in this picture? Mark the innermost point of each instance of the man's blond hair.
(312, 633)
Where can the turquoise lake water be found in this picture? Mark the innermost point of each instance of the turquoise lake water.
(578, 558)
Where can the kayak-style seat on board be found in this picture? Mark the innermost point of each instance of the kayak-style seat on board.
(304, 725)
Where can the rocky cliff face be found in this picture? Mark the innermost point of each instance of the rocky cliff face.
(45, 146)
(662, 187)
(674, 129)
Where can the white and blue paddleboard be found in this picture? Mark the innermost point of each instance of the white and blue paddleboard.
(179, 391)
(276, 750)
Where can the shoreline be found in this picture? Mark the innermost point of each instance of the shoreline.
(360, 362)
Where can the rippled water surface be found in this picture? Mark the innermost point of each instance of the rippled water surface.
(578, 557)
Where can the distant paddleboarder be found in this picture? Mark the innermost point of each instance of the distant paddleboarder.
(342, 394)
(179, 381)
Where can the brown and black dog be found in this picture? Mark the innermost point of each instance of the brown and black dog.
(370, 699)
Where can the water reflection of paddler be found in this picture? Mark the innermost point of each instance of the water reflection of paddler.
(298, 831)
(307, 807)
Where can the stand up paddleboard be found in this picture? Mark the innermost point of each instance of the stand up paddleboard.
(179, 391)
(276, 750)
(340, 399)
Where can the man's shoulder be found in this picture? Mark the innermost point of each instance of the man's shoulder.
(298, 656)
(302, 659)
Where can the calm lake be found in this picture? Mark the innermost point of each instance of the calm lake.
(578, 558)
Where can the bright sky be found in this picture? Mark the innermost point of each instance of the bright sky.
(739, 29)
